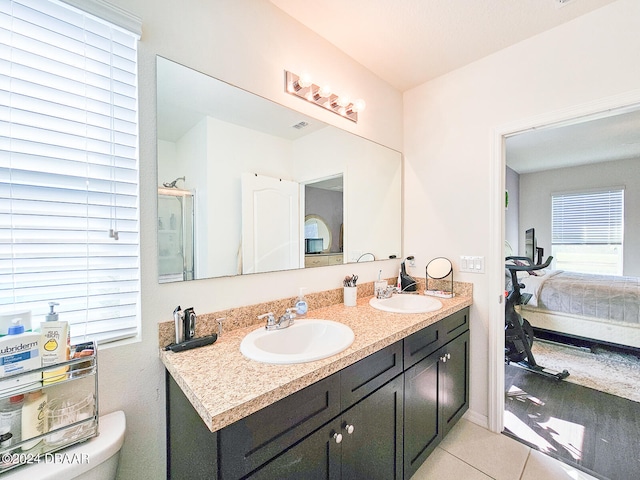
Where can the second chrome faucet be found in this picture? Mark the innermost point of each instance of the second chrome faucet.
(286, 320)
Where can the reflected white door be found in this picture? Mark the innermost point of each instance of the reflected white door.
(270, 224)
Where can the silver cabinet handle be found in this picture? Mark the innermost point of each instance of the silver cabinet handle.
(443, 359)
(337, 437)
(349, 428)
(448, 356)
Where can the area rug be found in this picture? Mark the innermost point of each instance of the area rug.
(608, 371)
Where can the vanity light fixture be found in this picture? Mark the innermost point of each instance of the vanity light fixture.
(302, 86)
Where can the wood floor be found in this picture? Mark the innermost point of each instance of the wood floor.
(584, 427)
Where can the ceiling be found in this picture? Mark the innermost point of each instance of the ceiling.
(590, 140)
(423, 39)
(409, 42)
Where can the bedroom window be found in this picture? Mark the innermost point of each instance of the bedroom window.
(587, 231)
(69, 169)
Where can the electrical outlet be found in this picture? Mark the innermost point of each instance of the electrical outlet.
(412, 262)
(471, 264)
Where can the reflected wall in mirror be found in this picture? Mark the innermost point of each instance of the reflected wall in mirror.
(255, 170)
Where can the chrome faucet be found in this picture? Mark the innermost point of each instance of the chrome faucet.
(286, 320)
(386, 292)
(391, 290)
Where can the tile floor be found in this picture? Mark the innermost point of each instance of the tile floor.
(470, 452)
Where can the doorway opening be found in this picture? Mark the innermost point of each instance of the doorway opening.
(566, 438)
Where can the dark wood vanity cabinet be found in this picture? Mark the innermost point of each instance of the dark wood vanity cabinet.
(436, 385)
(364, 442)
(436, 395)
(376, 419)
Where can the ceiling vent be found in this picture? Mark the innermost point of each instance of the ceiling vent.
(301, 125)
(562, 3)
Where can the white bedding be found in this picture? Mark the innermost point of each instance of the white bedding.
(605, 297)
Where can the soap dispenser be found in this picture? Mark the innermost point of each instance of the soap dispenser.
(301, 303)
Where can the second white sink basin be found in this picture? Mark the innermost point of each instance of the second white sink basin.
(304, 341)
(406, 303)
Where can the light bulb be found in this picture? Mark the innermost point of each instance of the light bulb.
(358, 105)
(305, 80)
(343, 100)
(325, 91)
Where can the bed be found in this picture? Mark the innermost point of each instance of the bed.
(599, 307)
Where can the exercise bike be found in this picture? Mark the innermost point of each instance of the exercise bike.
(518, 331)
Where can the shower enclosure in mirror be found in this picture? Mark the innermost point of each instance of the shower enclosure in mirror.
(259, 169)
(175, 235)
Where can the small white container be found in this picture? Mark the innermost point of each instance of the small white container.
(350, 296)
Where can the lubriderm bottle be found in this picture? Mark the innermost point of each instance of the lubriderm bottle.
(301, 303)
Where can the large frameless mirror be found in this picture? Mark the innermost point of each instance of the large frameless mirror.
(239, 174)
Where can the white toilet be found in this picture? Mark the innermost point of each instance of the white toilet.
(102, 452)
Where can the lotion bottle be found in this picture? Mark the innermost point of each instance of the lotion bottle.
(19, 353)
(301, 303)
(54, 346)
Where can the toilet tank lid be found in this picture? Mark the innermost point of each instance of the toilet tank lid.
(111, 428)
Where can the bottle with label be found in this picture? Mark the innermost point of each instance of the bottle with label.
(54, 345)
(301, 303)
(11, 418)
(34, 418)
(19, 353)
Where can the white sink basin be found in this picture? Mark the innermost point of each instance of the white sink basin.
(406, 303)
(304, 341)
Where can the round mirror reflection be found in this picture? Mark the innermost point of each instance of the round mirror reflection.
(316, 227)
(439, 268)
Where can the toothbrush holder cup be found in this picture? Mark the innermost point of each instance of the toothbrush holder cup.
(350, 296)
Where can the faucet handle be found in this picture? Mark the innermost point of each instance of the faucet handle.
(271, 319)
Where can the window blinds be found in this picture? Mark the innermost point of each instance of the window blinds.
(68, 169)
(592, 218)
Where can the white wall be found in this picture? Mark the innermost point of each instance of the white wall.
(247, 43)
(537, 188)
(449, 128)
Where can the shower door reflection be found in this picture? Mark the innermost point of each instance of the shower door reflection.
(175, 235)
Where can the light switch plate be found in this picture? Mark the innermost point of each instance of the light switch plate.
(471, 264)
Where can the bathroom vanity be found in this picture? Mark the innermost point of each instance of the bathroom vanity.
(376, 410)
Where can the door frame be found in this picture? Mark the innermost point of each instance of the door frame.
(569, 115)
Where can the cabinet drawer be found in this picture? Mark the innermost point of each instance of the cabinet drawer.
(367, 375)
(252, 441)
(421, 344)
(454, 325)
(335, 260)
(315, 261)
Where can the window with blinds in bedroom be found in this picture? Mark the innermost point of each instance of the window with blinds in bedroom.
(587, 231)
(69, 169)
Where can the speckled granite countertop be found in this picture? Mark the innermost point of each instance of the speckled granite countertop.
(225, 386)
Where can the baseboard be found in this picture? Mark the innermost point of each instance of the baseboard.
(477, 418)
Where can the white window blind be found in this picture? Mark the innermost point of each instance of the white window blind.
(590, 218)
(69, 169)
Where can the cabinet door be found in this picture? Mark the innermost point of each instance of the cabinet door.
(191, 447)
(454, 381)
(373, 449)
(422, 429)
(317, 457)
